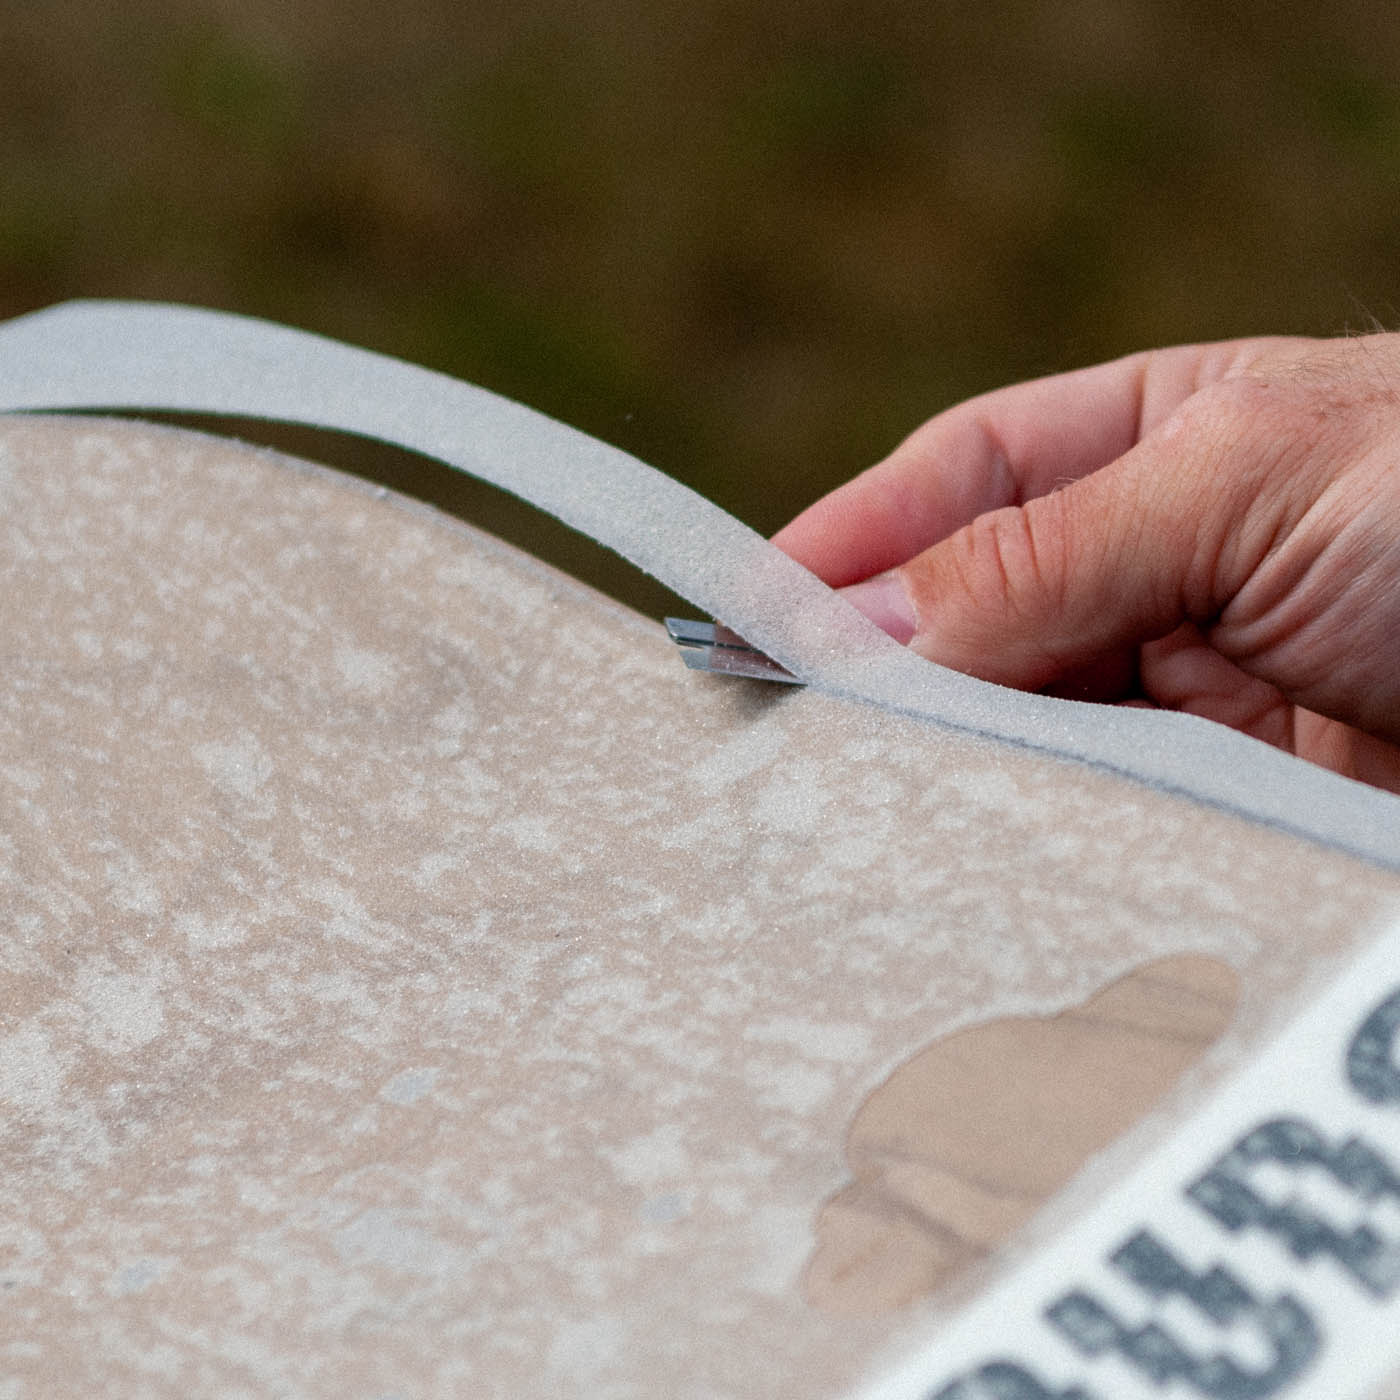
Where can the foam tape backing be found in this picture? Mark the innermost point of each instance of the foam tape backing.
(123, 355)
(164, 357)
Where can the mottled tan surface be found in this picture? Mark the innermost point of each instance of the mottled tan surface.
(417, 983)
(966, 1140)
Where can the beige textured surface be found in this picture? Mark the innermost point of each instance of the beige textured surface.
(964, 1142)
(417, 983)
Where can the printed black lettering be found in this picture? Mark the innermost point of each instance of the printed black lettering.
(1230, 1192)
(1004, 1380)
(1371, 1066)
(1285, 1327)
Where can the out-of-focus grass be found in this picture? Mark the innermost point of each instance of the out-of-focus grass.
(753, 244)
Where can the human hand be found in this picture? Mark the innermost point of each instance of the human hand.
(1211, 528)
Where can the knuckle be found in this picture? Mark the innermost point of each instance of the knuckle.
(1314, 394)
(1266, 444)
(1244, 408)
(1012, 556)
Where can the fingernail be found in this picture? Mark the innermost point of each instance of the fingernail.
(885, 602)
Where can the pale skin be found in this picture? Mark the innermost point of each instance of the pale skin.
(1210, 528)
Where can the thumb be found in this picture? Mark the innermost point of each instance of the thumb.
(1027, 594)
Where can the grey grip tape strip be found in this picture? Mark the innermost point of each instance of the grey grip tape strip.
(134, 356)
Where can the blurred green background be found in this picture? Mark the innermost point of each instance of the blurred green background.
(754, 244)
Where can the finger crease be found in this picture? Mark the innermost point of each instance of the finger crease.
(1006, 482)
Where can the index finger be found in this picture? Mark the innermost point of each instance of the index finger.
(1000, 449)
